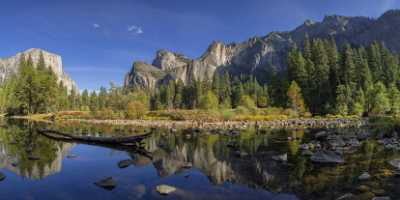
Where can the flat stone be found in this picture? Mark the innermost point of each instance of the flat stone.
(165, 189)
(107, 183)
(364, 176)
(321, 134)
(346, 196)
(326, 156)
(363, 188)
(395, 163)
(307, 153)
(381, 198)
(187, 165)
(281, 158)
(72, 156)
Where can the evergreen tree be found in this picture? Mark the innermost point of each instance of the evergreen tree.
(394, 97)
(381, 102)
(342, 100)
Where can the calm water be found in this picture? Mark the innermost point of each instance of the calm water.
(223, 167)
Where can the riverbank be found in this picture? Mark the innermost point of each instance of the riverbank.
(237, 125)
(202, 120)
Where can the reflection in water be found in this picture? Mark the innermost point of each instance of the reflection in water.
(234, 166)
(19, 143)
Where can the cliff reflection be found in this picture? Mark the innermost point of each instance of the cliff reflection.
(246, 159)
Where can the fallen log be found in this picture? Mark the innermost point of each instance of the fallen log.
(130, 140)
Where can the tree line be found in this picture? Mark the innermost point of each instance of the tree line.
(320, 79)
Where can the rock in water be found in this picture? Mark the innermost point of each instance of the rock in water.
(71, 156)
(165, 189)
(281, 158)
(395, 163)
(381, 198)
(2, 176)
(364, 176)
(107, 183)
(124, 163)
(325, 156)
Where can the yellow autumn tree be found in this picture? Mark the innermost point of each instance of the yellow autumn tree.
(296, 101)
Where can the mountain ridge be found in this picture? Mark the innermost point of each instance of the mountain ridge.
(259, 55)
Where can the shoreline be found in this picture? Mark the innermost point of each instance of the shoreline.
(286, 123)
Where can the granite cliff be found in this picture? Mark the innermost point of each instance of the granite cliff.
(259, 55)
(9, 66)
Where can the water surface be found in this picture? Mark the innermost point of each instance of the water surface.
(200, 165)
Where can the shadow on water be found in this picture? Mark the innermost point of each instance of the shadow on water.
(251, 165)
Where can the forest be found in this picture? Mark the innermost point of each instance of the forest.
(321, 79)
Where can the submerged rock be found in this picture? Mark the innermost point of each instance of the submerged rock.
(107, 183)
(165, 189)
(321, 134)
(124, 163)
(72, 156)
(325, 156)
(395, 163)
(364, 176)
(346, 196)
(381, 198)
(2, 176)
(187, 165)
(281, 158)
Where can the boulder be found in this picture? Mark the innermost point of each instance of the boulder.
(281, 158)
(395, 163)
(381, 198)
(326, 156)
(2, 176)
(364, 176)
(124, 163)
(107, 183)
(165, 189)
(72, 156)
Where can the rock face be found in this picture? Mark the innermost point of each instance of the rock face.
(9, 66)
(259, 55)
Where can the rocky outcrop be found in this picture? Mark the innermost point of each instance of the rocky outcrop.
(259, 55)
(10, 66)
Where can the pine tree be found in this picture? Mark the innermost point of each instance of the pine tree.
(358, 105)
(342, 100)
(394, 97)
(381, 102)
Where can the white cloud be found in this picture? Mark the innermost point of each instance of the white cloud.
(96, 26)
(135, 29)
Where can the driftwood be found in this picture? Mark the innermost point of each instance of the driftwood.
(130, 140)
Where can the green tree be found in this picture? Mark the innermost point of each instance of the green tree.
(209, 101)
(394, 97)
(342, 100)
(381, 102)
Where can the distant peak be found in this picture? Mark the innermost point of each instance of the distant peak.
(334, 18)
(391, 13)
(33, 50)
(309, 22)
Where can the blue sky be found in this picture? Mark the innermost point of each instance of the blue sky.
(99, 39)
